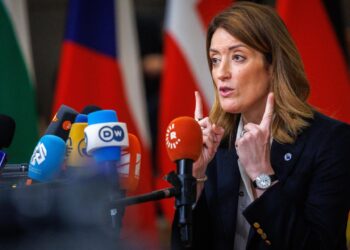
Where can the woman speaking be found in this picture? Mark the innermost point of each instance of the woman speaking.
(274, 173)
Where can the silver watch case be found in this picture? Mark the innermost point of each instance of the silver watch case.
(263, 181)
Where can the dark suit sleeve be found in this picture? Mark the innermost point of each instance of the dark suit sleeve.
(308, 210)
(201, 228)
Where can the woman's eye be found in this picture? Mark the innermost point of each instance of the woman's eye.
(214, 60)
(238, 58)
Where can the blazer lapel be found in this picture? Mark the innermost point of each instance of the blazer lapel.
(285, 156)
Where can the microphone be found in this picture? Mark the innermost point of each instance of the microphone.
(62, 122)
(184, 145)
(129, 166)
(7, 131)
(44, 167)
(76, 155)
(105, 137)
(46, 161)
(3, 159)
(89, 109)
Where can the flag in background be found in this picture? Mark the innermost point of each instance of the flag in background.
(100, 65)
(324, 62)
(17, 98)
(185, 70)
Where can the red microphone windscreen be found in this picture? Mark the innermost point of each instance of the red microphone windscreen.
(184, 139)
(129, 166)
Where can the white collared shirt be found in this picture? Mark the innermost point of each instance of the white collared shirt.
(244, 199)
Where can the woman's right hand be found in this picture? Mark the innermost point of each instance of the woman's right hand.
(212, 135)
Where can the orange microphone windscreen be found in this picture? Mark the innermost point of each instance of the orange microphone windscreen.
(183, 139)
(129, 165)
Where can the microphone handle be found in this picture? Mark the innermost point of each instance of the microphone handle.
(186, 199)
(110, 174)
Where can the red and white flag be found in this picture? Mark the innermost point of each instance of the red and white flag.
(325, 65)
(185, 71)
(100, 65)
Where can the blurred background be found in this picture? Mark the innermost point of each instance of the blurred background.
(168, 36)
(47, 19)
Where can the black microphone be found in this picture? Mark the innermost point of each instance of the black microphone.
(61, 122)
(89, 109)
(7, 131)
(184, 145)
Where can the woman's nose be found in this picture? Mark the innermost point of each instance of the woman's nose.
(224, 70)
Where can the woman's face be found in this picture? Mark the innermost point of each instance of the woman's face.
(241, 75)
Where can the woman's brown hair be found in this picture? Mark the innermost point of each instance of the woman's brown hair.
(260, 28)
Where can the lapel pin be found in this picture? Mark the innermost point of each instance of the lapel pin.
(287, 156)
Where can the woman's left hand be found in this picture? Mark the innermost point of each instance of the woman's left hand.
(253, 147)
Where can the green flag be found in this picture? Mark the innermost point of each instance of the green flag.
(16, 89)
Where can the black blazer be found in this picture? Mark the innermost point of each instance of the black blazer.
(306, 209)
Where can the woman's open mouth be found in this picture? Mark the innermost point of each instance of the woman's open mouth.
(225, 91)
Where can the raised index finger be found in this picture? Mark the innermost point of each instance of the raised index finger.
(198, 111)
(267, 117)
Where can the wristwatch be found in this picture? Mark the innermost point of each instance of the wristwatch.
(264, 181)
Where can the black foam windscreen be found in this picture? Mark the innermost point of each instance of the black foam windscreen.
(62, 121)
(89, 109)
(7, 130)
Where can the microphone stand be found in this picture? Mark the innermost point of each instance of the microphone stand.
(152, 196)
(184, 200)
(172, 178)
